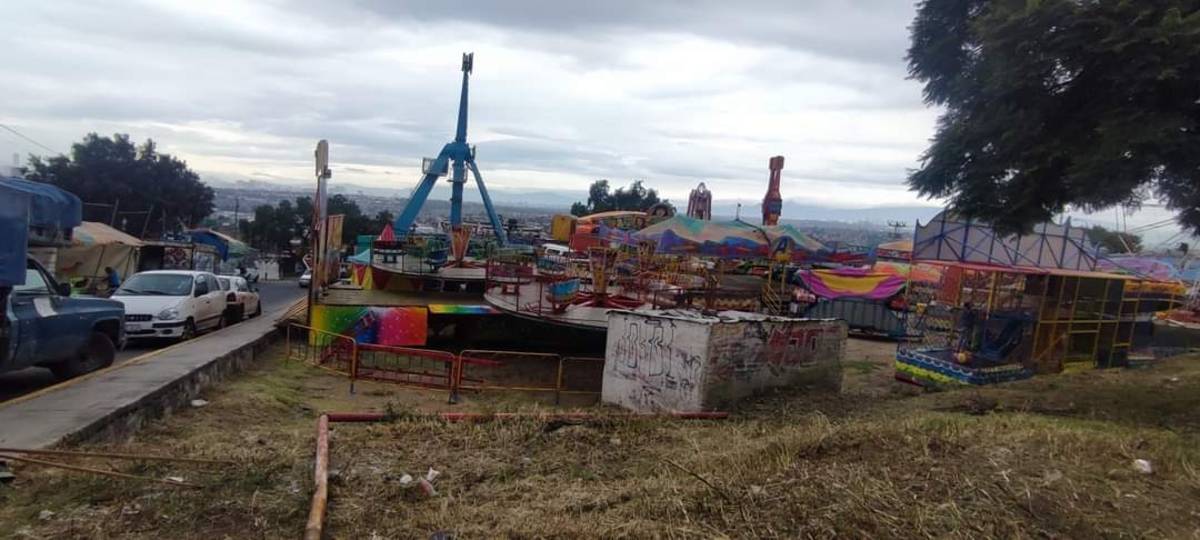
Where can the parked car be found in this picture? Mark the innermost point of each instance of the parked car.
(172, 304)
(43, 326)
(306, 279)
(244, 302)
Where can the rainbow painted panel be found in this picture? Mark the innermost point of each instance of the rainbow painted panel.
(393, 326)
(458, 309)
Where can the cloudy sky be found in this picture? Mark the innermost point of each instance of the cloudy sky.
(563, 92)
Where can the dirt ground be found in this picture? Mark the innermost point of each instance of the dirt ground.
(1051, 457)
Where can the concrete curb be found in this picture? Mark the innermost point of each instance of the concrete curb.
(114, 404)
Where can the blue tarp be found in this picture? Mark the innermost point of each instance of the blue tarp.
(206, 237)
(14, 235)
(49, 206)
(227, 247)
(25, 205)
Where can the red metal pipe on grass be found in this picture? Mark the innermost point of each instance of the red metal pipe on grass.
(316, 513)
(486, 417)
(356, 417)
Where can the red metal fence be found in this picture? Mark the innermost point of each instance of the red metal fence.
(467, 371)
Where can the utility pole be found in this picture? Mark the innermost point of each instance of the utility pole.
(896, 226)
(237, 223)
(320, 213)
(146, 223)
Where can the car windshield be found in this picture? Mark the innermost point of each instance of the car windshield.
(156, 285)
(224, 283)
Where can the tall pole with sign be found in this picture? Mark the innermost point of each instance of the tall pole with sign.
(317, 237)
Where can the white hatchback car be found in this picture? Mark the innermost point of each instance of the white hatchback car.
(245, 303)
(171, 304)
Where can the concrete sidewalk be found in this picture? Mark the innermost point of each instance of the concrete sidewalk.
(118, 400)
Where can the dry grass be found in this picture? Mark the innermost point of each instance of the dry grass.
(1049, 457)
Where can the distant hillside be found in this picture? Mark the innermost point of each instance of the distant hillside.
(556, 201)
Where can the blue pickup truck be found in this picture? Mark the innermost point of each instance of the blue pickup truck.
(40, 323)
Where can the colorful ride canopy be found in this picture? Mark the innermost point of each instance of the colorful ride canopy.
(1157, 268)
(953, 239)
(683, 235)
(852, 283)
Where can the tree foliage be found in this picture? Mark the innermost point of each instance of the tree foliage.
(601, 198)
(1114, 241)
(1057, 103)
(275, 227)
(113, 170)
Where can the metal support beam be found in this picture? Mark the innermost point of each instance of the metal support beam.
(456, 193)
(501, 234)
(409, 216)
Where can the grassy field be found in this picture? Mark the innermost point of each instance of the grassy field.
(1047, 457)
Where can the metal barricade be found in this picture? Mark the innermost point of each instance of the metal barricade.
(334, 352)
(580, 375)
(528, 372)
(428, 368)
(471, 370)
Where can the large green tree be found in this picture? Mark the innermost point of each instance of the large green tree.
(275, 227)
(601, 198)
(1115, 241)
(158, 189)
(1050, 104)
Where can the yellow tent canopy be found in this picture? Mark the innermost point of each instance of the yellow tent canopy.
(95, 246)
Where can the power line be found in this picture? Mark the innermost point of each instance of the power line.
(23, 136)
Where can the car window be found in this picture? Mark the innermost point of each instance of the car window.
(156, 285)
(35, 283)
(241, 285)
(213, 284)
(224, 283)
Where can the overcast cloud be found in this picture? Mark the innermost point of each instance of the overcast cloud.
(563, 92)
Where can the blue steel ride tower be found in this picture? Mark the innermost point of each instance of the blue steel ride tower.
(457, 156)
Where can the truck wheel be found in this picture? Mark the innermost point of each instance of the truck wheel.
(97, 354)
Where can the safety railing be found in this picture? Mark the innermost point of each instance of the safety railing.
(472, 370)
(417, 367)
(528, 372)
(327, 350)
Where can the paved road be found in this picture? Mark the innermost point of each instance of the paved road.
(274, 294)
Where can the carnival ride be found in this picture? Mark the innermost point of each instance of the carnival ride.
(772, 205)
(869, 300)
(457, 157)
(1006, 308)
(700, 203)
(677, 263)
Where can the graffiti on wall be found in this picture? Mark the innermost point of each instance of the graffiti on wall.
(660, 361)
(391, 326)
(669, 363)
(753, 349)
